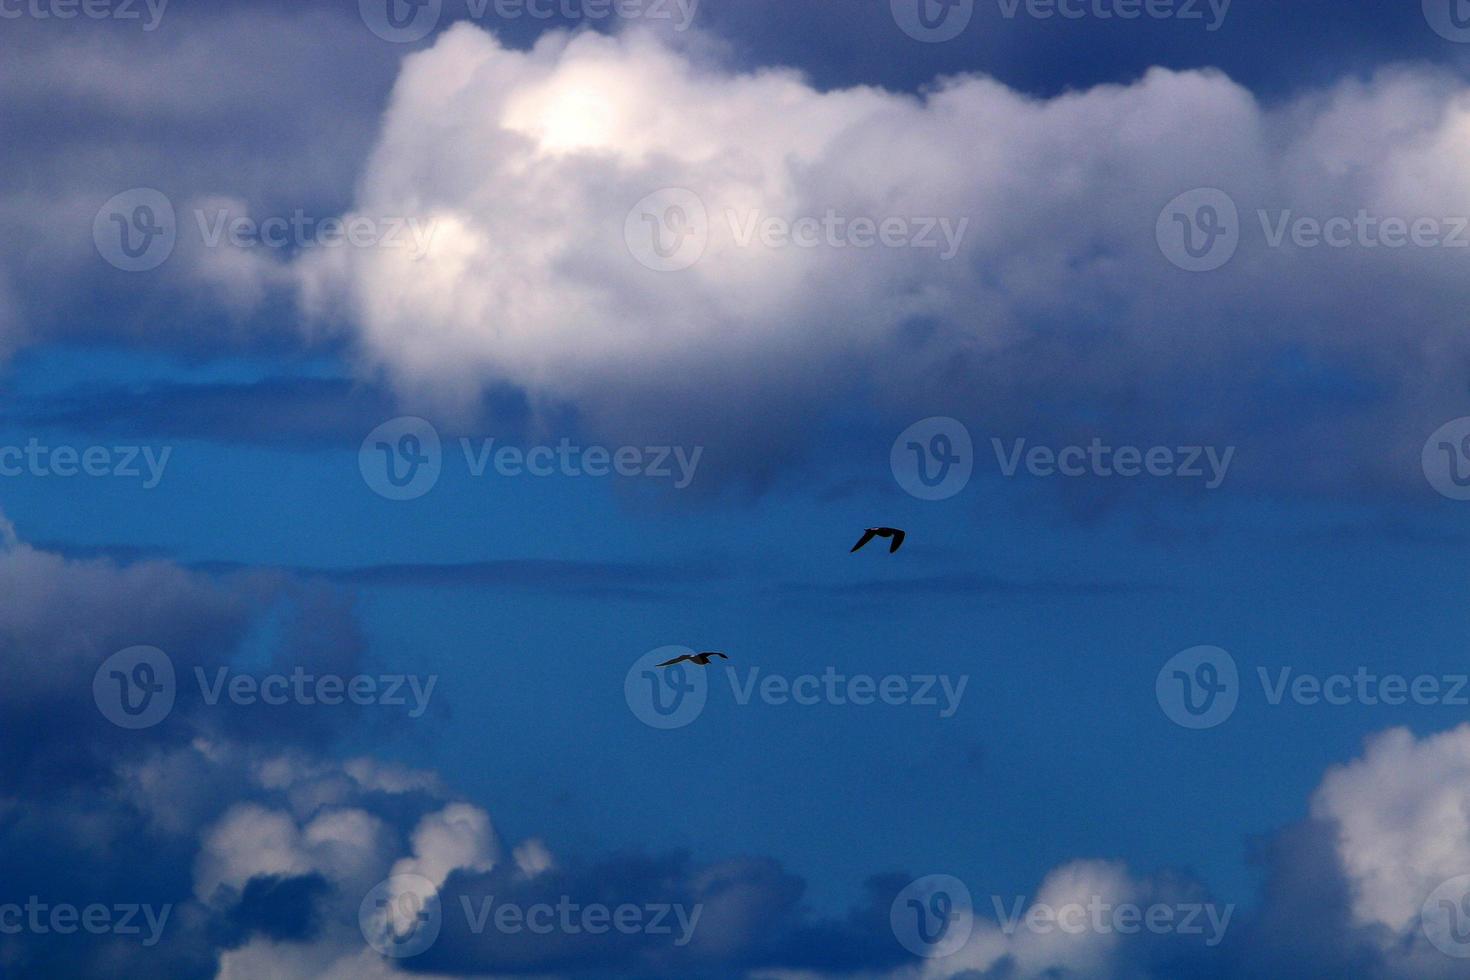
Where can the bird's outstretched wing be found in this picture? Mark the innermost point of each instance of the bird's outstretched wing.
(898, 537)
(676, 660)
(867, 536)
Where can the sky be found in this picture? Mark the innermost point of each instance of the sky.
(387, 389)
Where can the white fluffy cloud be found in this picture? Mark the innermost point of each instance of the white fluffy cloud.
(1403, 813)
(528, 164)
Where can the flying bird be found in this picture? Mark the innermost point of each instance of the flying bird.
(694, 658)
(881, 532)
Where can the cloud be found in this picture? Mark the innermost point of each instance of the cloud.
(1058, 315)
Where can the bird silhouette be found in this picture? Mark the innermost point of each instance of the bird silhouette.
(694, 658)
(881, 532)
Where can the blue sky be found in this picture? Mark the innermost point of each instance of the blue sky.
(1227, 244)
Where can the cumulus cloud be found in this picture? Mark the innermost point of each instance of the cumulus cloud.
(528, 164)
